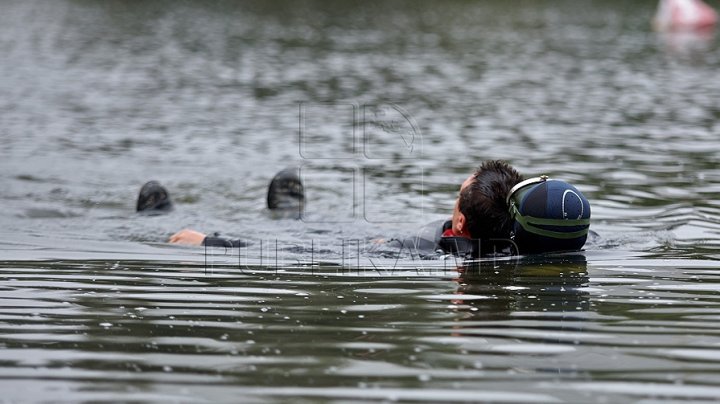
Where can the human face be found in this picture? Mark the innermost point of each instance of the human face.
(458, 219)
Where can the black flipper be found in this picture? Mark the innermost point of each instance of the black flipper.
(154, 198)
(286, 193)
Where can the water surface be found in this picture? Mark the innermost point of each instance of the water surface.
(386, 107)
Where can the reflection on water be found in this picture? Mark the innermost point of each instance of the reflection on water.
(386, 107)
(689, 44)
(565, 328)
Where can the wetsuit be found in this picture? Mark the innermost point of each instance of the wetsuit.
(431, 239)
(215, 240)
(438, 237)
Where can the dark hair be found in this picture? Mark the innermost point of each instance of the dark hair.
(483, 201)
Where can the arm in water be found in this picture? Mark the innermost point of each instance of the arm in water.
(192, 237)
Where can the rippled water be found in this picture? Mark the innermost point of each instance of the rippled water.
(386, 107)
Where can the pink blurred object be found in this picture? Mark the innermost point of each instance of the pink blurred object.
(684, 15)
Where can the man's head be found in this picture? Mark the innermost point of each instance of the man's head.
(481, 210)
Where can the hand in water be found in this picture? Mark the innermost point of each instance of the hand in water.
(187, 237)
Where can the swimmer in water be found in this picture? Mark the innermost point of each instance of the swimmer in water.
(495, 212)
(480, 211)
(480, 216)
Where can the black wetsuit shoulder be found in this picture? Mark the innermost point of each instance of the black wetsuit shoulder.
(425, 239)
(429, 240)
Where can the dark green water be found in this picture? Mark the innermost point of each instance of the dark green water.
(386, 107)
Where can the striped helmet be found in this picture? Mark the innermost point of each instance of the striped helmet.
(549, 215)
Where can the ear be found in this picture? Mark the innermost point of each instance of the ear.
(461, 224)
